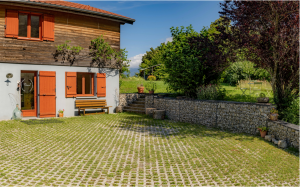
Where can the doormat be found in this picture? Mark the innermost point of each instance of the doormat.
(41, 121)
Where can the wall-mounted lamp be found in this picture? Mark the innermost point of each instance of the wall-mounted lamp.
(8, 76)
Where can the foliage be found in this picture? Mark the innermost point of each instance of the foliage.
(274, 111)
(291, 113)
(262, 95)
(151, 78)
(152, 58)
(263, 129)
(103, 55)
(61, 111)
(151, 86)
(68, 53)
(242, 70)
(211, 92)
(120, 83)
(268, 33)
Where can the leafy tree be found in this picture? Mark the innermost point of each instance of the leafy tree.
(103, 55)
(269, 31)
(68, 53)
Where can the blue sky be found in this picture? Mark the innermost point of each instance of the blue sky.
(154, 20)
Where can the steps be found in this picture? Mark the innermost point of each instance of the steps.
(137, 106)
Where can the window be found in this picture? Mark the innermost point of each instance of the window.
(29, 25)
(85, 82)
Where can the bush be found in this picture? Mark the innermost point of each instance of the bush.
(151, 78)
(151, 86)
(244, 70)
(211, 92)
(291, 113)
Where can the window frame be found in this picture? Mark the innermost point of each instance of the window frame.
(29, 26)
(83, 84)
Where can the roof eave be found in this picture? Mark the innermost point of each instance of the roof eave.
(117, 18)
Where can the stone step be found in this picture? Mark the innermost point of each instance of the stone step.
(134, 111)
(137, 105)
(139, 102)
(140, 99)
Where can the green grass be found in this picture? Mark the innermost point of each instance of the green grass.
(233, 93)
(129, 85)
(118, 149)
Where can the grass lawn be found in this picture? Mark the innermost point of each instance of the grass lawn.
(129, 85)
(131, 149)
(233, 93)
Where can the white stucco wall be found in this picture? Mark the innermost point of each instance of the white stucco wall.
(10, 96)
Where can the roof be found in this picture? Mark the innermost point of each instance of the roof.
(78, 8)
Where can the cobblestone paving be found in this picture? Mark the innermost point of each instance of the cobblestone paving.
(128, 149)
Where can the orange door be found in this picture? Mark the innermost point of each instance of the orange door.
(47, 95)
(28, 93)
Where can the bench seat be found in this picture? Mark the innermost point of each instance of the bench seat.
(91, 104)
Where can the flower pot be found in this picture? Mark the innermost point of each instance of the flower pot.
(263, 100)
(140, 89)
(61, 115)
(151, 92)
(263, 133)
(274, 117)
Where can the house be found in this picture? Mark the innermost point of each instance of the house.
(30, 30)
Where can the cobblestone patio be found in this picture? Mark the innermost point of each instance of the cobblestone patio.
(130, 149)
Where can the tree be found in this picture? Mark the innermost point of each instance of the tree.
(67, 53)
(269, 33)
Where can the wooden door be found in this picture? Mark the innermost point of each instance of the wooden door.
(28, 93)
(47, 95)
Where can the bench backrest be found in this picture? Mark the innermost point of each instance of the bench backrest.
(90, 103)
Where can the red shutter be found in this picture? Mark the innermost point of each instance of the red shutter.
(71, 84)
(101, 85)
(47, 95)
(48, 27)
(12, 24)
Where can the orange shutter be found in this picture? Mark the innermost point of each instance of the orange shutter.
(101, 85)
(48, 27)
(47, 95)
(71, 84)
(12, 24)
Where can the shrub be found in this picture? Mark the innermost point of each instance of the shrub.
(151, 78)
(291, 113)
(211, 92)
(151, 86)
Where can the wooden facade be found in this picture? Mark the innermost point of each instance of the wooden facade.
(79, 29)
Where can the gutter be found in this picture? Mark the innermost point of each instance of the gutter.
(118, 18)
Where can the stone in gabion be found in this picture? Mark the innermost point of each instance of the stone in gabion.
(274, 141)
(268, 137)
(282, 144)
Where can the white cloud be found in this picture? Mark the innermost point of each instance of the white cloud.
(136, 60)
(169, 40)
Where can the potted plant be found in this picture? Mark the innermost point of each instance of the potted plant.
(151, 87)
(274, 114)
(140, 88)
(262, 98)
(263, 131)
(61, 113)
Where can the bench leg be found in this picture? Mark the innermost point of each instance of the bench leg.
(84, 112)
(107, 110)
(78, 111)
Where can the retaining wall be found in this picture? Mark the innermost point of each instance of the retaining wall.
(239, 117)
(128, 98)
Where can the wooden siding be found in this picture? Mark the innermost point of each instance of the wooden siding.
(79, 29)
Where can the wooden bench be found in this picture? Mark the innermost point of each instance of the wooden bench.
(91, 104)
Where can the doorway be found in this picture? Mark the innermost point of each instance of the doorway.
(29, 93)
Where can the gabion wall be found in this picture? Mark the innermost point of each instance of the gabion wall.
(126, 99)
(239, 117)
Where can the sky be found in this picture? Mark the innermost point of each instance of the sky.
(154, 20)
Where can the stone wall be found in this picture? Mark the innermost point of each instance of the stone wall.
(284, 131)
(128, 98)
(239, 117)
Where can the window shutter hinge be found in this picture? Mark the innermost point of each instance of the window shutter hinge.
(4, 26)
